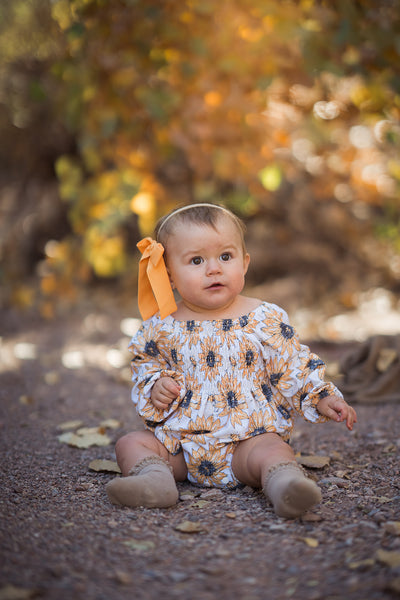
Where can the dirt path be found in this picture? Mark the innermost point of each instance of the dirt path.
(61, 539)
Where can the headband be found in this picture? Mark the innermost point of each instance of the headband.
(154, 287)
(183, 208)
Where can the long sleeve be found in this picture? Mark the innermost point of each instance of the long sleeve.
(150, 362)
(296, 375)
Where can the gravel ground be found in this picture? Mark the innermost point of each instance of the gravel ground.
(62, 539)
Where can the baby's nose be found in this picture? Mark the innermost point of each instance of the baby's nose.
(213, 266)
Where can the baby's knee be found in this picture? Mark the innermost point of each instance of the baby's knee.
(129, 440)
(135, 440)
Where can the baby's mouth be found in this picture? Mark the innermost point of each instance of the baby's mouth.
(215, 286)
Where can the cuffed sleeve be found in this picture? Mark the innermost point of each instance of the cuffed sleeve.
(148, 364)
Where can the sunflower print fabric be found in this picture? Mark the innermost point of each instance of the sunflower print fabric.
(238, 377)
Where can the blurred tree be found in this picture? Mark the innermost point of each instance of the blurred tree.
(287, 112)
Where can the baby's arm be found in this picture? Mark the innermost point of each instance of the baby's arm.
(163, 392)
(337, 409)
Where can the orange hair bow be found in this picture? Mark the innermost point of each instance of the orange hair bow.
(155, 291)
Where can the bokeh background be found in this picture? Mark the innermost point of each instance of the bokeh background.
(112, 113)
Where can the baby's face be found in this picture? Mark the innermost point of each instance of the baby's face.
(206, 265)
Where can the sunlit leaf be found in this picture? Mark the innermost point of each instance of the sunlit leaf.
(102, 465)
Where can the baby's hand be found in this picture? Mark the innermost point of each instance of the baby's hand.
(338, 410)
(163, 392)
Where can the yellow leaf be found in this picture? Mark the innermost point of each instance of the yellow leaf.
(190, 527)
(84, 441)
(313, 462)
(67, 425)
(199, 504)
(392, 559)
(109, 466)
(392, 527)
(311, 542)
(362, 564)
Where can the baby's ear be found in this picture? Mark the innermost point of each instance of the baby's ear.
(246, 262)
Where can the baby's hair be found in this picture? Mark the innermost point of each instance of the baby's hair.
(198, 214)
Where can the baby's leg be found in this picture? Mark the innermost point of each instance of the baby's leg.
(148, 472)
(267, 461)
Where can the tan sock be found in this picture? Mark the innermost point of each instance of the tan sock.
(290, 491)
(150, 483)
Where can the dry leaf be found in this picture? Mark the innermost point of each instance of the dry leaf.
(68, 425)
(230, 515)
(311, 517)
(186, 496)
(392, 527)
(140, 545)
(123, 577)
(110, 424)
(342, 474)
(362, 564)
(84, 441)
(190, 527)
(199, 504)
(311, 542)
(109, 466)
(10, 592)
(90, 430)
(391, 559)
(26, 400)
(313, 462)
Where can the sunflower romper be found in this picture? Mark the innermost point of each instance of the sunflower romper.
(238, 377)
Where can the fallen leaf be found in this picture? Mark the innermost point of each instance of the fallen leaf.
(199, 504)
(313, 462)
(311, 542)
(342, 474)
(123, 577)
(68, 425)
(84, 441)
(392, 527)
(90, 430)
(11, 592)
(362, 564)
(390, 448)
(190, 527)
(26, 400)
(389, 558)
(140, 545)
(186, 496)
(231, 515)
(109, 466)
(311, 517)
(110, 424)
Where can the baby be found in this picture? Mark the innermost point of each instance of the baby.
(218, 376)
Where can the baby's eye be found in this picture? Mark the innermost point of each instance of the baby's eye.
(225, 256)
(196, 260)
